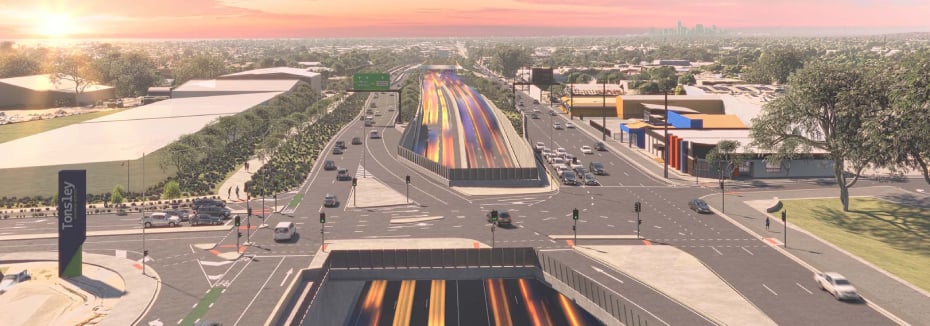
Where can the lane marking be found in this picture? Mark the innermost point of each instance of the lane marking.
(767, 288)
(606, 274)
(803, 288)
(715, 249)
(259, 290)
(747, 251)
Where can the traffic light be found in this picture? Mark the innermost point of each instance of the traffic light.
(145, 253)
(493, 216)
(322, 217)
(575, 214)
(354, 181)
(638, 207)
(238, 234)
(784, 215)
(237, 220)
(408, 179)
(721, 184)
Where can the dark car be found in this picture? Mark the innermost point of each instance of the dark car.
(590, 180)
(569, 178)
(597, 168)
(206, 219)
(208, 202)
(503, 217)
(343, 175)
(221, 212)
(699, 205)
(356, 140)
(599, 146)
(329, 165)
(534, 116)
(341, 144)
(337, 150)
(330, 200)
(183, 214)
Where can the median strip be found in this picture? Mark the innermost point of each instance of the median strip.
(594, 237)
(119, 232)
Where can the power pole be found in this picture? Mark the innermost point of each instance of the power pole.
(638, 207)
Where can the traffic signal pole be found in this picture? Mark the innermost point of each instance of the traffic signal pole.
(784, 221)
(575, 225)
(322, 235)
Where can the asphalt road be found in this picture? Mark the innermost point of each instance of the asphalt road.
(251, 286)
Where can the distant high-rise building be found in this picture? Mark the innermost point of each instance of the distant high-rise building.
(680, 29)
(699, 29)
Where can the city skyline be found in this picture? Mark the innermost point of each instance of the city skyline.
(62, 19)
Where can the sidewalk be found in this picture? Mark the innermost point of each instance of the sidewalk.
(879, 287)
(227, 191)
(112, 291)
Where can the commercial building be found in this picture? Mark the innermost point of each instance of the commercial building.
(314, 79)
(219, 87)
(39, 92)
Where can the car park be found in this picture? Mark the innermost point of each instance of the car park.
(221, 212)
(837, 285)
(206, 219)
(338, 150)
(285, 231)
(329, 165)
(597, 168)
(343, 175)
(9, 280)
(160, 219)
(503, 217)
(330, 200)
(182, 214)
(599, 146)
(356, 140)
(699, 205)
(587, 150)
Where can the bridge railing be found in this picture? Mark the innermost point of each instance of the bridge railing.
(432, 258)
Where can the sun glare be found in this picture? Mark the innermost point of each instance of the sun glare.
(55, 25)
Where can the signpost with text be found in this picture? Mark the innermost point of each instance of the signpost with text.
(72, 221)
(371, 82)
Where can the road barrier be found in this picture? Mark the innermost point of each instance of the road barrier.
(470, 176)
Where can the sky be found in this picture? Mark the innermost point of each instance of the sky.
(21, 19)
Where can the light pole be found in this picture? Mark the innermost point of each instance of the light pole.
(604, 108)
(145, 253)
(665, 159)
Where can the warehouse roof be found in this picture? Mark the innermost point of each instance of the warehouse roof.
(44, 83)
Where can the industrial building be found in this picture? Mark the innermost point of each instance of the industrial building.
(314, 79)
(218, 87)
(39, 92)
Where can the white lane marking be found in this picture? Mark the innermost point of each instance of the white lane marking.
(767, 288)
(625, 298)
(259, 290)
(565, 249)
(606, 274)
(718, 251)
(215, 263)
(803, 288)
(747, 251)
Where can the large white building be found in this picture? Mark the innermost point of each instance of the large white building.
(38, 91)
(313, 78)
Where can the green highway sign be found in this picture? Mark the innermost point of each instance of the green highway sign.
(371, 82)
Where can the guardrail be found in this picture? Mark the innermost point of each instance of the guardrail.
(613, 303)
(454, 175)
(433, 258)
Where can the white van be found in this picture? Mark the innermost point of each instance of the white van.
(285, 231)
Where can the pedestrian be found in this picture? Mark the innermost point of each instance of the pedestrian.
(767, 223)
(229, 192)
(246, 166)
(237, 193)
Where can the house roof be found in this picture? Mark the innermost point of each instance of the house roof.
(44, 83)
(719, 121)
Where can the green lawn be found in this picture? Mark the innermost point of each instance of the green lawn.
(22, 129)
(888, 235)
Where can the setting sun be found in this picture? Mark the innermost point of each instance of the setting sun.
(55, 25)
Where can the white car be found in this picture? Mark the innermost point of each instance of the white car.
(561, 151)
(540, 145)
(569, 125)
(557, 126)
(837, 285)
(587, 150)
(161, 219)
(10, 280)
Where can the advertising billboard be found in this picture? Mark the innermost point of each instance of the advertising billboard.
(72, 221)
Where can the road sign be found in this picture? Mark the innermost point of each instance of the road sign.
(371, 82)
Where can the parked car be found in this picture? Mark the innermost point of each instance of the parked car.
(161, 219)
(330, 200)
(221, 212)
(9, 280)
(338, 150)
(341, 144)
(599, 146)
(837, 285)
(356, 140)
(587, 150)
(329, 165)
(343, 175)
(590, 180)
(503, 217)
(182, 214)
(206, 219)
(597, 168)
(699, 205)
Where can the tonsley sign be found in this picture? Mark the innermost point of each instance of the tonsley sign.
(72, 221)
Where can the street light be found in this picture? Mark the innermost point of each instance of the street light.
(144, 252)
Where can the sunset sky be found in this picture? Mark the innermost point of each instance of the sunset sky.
(21, 19)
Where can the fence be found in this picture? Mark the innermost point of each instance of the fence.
(467, 174)
(599, 127)
(611, 302)
(433, 258)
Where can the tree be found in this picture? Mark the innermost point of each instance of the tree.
(901, 130)
(172, 190)
(687, 79)
(508, 59)
(130, 73)
(775, 65)
(824, 107)
(725, 157)
(18, 64)
(76, 68)
(116, 196)
(199, 67)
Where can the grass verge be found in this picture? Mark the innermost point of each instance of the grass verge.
(888, 235)
(29, 128)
